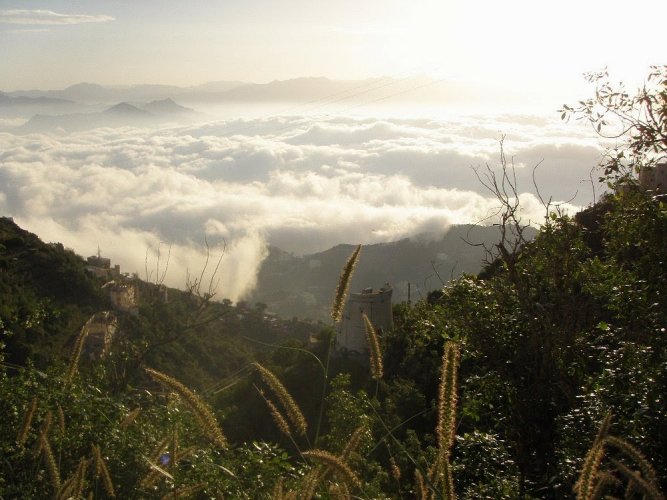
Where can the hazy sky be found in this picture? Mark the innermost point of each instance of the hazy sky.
(55, 43)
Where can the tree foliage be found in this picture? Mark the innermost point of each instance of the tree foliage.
(638, 120)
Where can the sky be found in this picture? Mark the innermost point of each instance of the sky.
(302, 180)
(55, 43)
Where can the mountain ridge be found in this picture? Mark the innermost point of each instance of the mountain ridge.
(304, 285)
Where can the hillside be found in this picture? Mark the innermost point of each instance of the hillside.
(304, 286)
(46, 296)
(44, 292)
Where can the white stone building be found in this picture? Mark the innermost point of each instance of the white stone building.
(376, 303)
(654, 178)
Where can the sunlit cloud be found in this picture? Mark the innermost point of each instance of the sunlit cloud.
(303, 184)
(46, 17)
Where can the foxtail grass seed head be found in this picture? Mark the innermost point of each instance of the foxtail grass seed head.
(27, 423)
(50, 461)
(46, 423)
(447, 397)
(207, 421)
(344, 285)
(647, 470)
(67, 488)
(373, 348)
(353, 443)
(278, 418)
(605, 480)
(102, 470)
(339, 491)
(395, 469)
(61, 420)
(97, 459)
(420, 486)
(648, 489)
(448, 491)
(79, 478)
(154, 472)
(585, 486)
(340, 468)
(310, 483)
(76, 353)
(294, 414)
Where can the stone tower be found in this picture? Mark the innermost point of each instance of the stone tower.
(654, 178)
(376, 303)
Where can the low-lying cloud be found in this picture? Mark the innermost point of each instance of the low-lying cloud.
(300, 183)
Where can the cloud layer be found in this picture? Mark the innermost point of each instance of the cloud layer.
(301, 183)
(48, 17)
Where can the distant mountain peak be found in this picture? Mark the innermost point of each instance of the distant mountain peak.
(85, 86)
(126, 109)
(166, 106)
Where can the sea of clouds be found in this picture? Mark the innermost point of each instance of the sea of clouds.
(302, 183)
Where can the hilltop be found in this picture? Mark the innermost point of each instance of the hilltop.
(304, 285)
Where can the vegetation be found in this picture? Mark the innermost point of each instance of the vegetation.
(543, 377)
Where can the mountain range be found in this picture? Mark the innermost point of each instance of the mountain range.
(300, 90)
(121, 114)
(304, 285)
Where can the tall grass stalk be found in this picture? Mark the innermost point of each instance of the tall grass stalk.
(61, 419)
(353, 443)
(76, 353)
(278, 418)
(50, 461)
(46, 424)
(79, 478)
(585, 485)
(101, 470)
(373, 348)
(637, 456)
(204, 415)
(338, 466)
(446, 428)
(343, 287)
(340, 297)
(292, 409)
(648, 489)
(27, 423)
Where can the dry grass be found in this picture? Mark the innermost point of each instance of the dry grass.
(344, 285)
(50, 462)
(204, 415)
(27, 423)
(374, 349)
(101, 470)
(585, 486)
(76, 353)
(292, 410)
(333, 462)
(446, 428)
